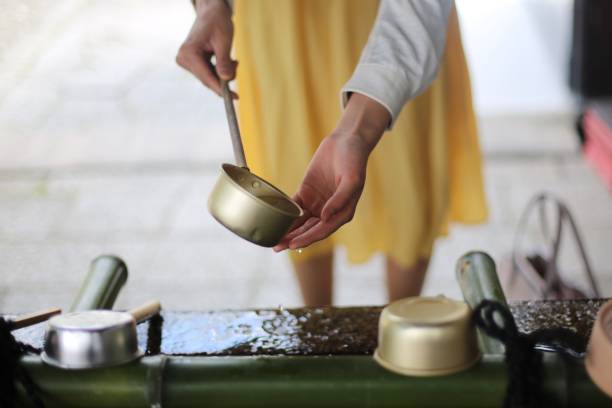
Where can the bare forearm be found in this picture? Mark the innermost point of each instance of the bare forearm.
(203, 5)
(364, 118)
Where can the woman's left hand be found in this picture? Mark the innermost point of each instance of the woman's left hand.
(336, 175)
(330, 190)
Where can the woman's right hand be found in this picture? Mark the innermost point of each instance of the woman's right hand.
(211, 35)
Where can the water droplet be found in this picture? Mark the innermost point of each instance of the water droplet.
(299, 250)
(256, 184)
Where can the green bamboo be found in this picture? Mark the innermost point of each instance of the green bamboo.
(107, 275)
(282, 381)
(477, 277)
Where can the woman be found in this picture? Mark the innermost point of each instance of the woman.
(294, 58)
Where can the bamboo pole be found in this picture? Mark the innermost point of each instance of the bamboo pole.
(339, 381)
(477, 277)
(107, 275)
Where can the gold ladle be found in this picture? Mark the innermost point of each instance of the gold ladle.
(244, 203)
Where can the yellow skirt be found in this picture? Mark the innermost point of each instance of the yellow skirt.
(294, 56)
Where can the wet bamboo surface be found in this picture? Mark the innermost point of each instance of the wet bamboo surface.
(304, 332)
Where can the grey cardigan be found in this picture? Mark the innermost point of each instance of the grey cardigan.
(403, 52)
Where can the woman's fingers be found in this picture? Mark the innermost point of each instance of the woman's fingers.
(198, 63)
(300, 221)
(311, 222)
(318, 232)
(288, 240)
(303, 226)
(339, 210)
(225, 66)
(322, 229)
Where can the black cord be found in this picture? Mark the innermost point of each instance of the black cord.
(12, 372)
(523, 361)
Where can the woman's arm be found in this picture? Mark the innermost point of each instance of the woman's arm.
(400, 60)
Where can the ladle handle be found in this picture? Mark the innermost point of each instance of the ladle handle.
(233, 125)
(145, 311)
(33, 318)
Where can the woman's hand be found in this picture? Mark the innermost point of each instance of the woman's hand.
(211, 35)
(336, 175)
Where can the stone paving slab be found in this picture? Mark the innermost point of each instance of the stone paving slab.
(158, 222)
(552, 134)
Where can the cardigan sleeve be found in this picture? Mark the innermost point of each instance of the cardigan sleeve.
(403, 53)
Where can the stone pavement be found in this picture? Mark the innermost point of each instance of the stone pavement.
(106, 146)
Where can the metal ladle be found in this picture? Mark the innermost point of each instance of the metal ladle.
(95, 338)
(244, 203)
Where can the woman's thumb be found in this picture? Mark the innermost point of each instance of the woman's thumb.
(226, 68)
(340, 199)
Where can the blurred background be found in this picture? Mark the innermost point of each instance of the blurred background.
(106, 146)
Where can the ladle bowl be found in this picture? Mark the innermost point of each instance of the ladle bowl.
(251, 207)
(94, 338)
(426, 337)
(244, 203)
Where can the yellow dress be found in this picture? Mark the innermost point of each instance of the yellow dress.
(294, 57)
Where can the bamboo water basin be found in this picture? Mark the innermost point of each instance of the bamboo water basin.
(307, 331)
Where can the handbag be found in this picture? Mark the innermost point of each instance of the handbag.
(535, 276)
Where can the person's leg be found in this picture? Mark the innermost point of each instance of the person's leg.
(405, 281)
(315, 277)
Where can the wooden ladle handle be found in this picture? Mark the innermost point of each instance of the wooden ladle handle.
(146, 310)
(33, 318)
(233, 125)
